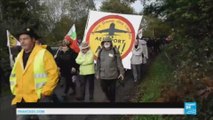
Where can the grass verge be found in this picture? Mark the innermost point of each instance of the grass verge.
(158, 75)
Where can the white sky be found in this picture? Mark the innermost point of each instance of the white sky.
(137, 5)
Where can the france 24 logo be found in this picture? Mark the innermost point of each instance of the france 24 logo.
(190, 108)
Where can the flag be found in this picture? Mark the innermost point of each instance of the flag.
(11, 40)
(140, 33)
(72, 38)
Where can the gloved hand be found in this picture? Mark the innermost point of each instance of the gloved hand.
(121, 77)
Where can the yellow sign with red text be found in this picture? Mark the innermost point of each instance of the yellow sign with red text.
(116, 27)
(121, 28)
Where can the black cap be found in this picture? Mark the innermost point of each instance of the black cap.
(30, 32)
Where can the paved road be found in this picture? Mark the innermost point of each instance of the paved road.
(124, 94)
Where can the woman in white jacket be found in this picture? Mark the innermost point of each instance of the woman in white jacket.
(136, 60)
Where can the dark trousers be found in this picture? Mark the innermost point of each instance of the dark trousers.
(83, 82)
(69, 83)
(108, 87)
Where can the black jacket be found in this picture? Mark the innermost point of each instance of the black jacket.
(65, 61)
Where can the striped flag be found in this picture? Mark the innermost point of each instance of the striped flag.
(72, 38)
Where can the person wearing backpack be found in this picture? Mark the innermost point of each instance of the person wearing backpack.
(109, 68)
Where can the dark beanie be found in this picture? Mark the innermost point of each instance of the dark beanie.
(30, 32)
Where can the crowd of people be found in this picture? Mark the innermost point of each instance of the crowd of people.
(36, 73)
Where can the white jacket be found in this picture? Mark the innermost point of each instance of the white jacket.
(137, 55)
(140, 54)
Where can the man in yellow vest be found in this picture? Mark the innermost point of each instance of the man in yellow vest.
(35, 74)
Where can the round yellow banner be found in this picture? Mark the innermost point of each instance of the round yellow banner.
(118, 28)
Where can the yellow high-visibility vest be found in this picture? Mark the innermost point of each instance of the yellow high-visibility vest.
(44, 46)
(40, 76)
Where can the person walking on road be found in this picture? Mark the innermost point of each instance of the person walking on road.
(109, 68)
(86, 61)
(136, 60)
(68, 67)
(35, 74)
(145, 54)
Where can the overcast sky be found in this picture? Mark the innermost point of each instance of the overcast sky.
(137, 5)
